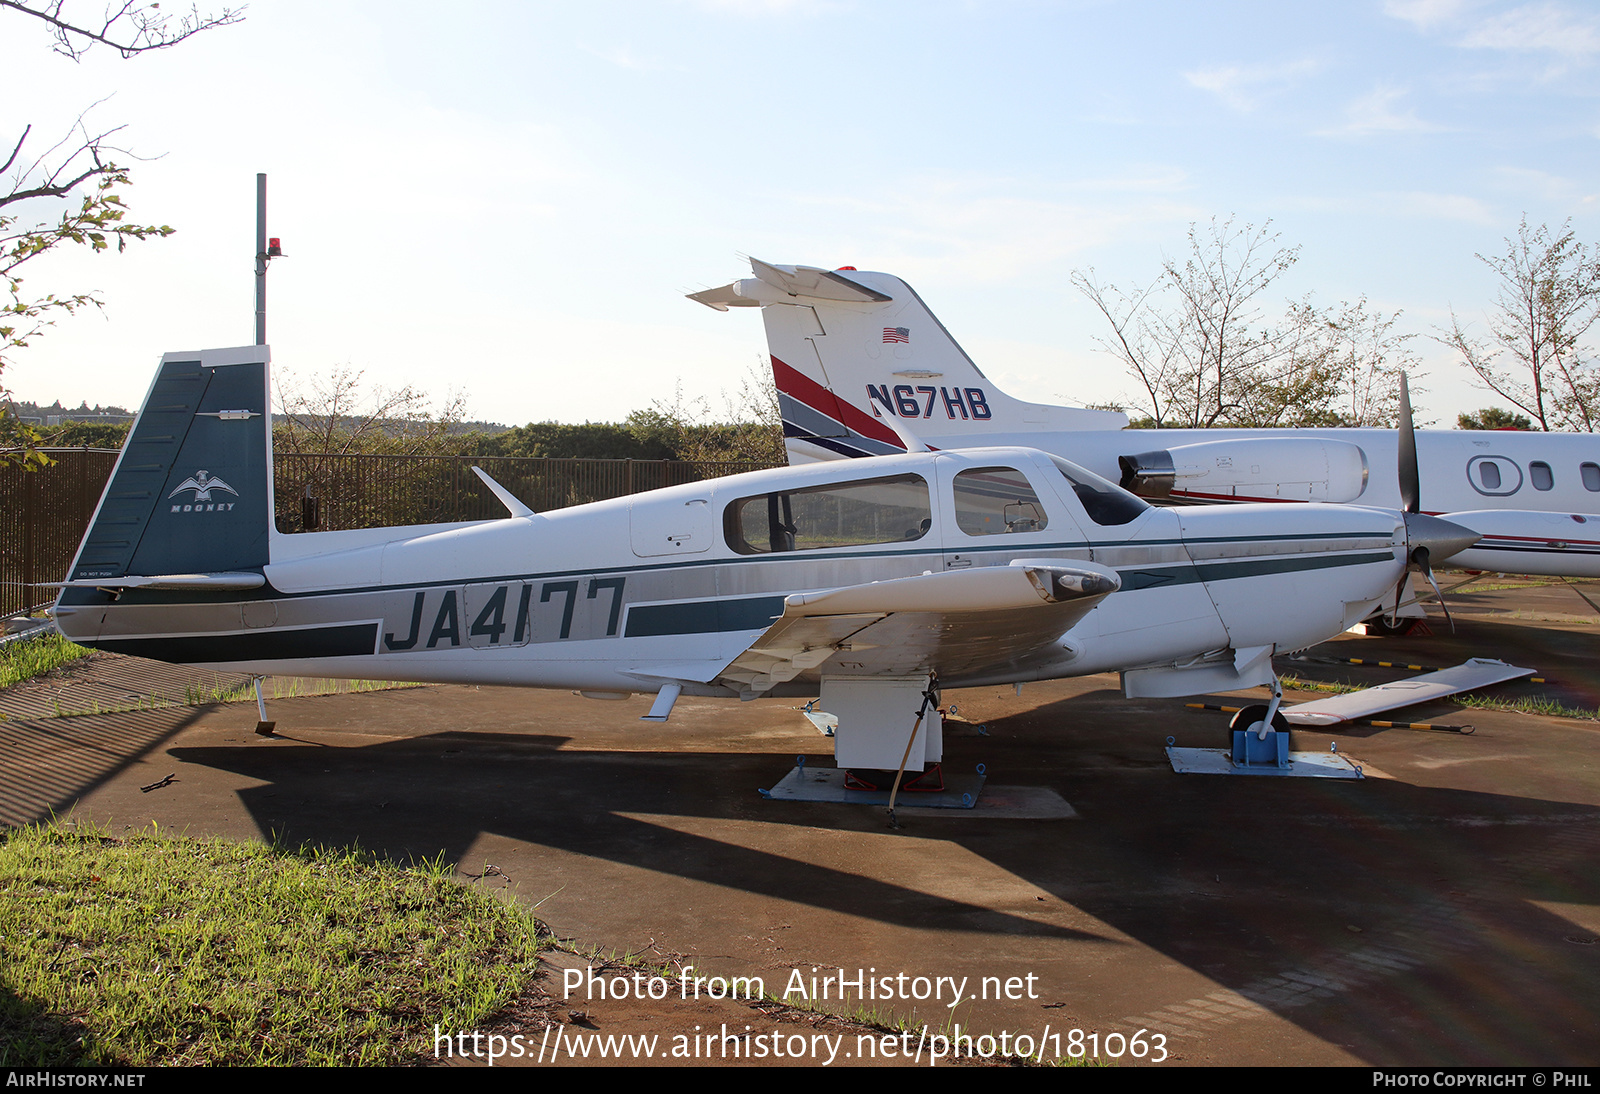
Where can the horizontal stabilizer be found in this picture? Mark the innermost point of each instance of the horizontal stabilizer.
(195, 582)
(775, 284)
(816, 283)
(1479, 672)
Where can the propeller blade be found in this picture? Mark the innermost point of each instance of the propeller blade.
(1425, 537)
(1420, 557)
(1410, 483)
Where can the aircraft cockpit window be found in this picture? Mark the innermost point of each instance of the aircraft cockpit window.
(848, 514)
(1106, 504)
(995, 501)
(1539, 474)
(1591, 476)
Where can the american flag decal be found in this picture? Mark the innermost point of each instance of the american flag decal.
(897, 334)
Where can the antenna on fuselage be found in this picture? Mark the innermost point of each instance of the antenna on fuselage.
(507, 498)
(912, 442)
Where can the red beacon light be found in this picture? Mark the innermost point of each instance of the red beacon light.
(274, 248)
(844, 268)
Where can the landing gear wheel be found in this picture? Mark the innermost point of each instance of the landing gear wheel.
(1251, 715)
(1381, 625)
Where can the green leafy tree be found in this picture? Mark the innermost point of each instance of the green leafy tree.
(750, 427)
(1493, 417)
(67, 195)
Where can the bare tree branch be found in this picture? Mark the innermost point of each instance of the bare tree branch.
(1548, 299)
(130, 28)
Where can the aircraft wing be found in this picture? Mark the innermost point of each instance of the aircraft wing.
(1476, 672)
(956, 623)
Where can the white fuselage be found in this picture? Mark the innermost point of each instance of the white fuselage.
(628, 594)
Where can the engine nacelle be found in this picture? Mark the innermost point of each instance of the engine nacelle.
(1250, 469)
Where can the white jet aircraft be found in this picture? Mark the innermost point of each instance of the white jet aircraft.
(865, 582)
(857, 355)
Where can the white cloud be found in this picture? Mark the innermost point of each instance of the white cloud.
(1378, 113)
(1425, 14)
(1545, 27)
(1538, 28)
(1531, 181)
(765, 7)
(624, 57)
(1399, 206)
(1440, 207)
(967, 231)
(1242, 87)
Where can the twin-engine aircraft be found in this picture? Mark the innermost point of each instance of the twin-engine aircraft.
(864, 581)
(859, 359)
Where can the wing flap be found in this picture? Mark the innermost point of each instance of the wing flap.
(957, 623)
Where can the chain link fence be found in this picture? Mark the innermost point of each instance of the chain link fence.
(324, 492)
(43, 513)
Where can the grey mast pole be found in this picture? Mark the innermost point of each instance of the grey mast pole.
(261, 259)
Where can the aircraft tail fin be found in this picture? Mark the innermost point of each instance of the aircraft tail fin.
(852, 350)
(191, 493)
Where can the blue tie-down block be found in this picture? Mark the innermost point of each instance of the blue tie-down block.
(1251, 749)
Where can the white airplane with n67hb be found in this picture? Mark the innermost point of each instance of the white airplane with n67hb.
(855, 352)
(854, 580)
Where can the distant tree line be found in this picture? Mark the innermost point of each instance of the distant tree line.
(645, 435)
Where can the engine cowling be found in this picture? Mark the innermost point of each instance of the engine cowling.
(1250, 469)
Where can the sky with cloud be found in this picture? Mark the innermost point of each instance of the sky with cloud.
(510, 199)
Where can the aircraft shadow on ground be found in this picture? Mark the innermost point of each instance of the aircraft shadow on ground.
(1400, 921)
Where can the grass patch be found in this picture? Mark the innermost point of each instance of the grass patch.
(199, 695)
(1530, 705)
(290, 687)
(1550, 708)
(1297, 683)
(148, 950)
(29, 657)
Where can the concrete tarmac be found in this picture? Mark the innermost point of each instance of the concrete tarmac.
(1443, 911)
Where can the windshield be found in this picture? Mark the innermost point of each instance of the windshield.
(1105, 503)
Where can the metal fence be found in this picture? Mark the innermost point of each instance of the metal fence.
(356, 491)
(43, 513)
(42, 517)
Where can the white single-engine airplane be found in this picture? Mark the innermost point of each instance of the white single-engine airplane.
(867, 582)
(858, 355)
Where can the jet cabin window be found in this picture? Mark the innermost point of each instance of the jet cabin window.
(848, 514)
(1539, 474)
(994, 501)
(1107, 505)
(1591, 476)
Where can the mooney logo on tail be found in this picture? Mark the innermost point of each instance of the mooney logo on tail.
(202, 483)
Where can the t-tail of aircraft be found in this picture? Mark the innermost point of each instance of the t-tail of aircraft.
(189, 504)
(845, 339)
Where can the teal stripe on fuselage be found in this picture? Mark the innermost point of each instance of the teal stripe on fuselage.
(1153, 577)
(703, 616)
